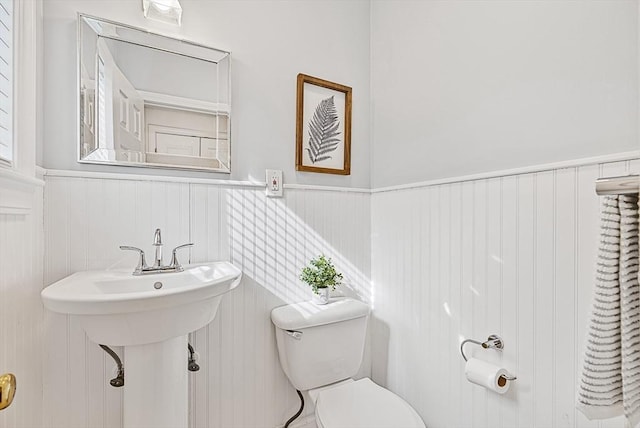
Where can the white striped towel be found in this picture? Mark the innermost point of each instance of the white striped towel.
(610, 381)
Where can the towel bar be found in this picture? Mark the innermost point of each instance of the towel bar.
(618, 185)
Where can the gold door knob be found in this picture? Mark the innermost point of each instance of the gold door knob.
(7, 390)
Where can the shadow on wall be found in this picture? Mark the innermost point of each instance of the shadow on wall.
(379, 338)
(241, 369)
(271, 240)
(271, 243)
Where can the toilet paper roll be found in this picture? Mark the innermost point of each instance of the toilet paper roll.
(487, 375)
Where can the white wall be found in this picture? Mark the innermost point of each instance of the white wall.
(185, 76)
(271, 42)
(460, 87)
(511, 255)
(21, 314)
(240, 383)
(21, 234)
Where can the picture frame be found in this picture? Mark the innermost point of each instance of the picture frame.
(323, 126)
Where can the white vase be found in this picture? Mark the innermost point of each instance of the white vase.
(321, 297)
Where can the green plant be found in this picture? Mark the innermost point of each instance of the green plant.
(321, 273)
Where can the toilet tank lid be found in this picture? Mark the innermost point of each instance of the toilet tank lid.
(307, 314)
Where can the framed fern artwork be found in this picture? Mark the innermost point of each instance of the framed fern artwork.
(323, 126)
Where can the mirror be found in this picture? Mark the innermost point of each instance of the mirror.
(150, 100)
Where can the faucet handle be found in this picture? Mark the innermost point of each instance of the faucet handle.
(174, 260)
(157, 238)
(142, 263)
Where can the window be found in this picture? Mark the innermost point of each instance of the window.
(6, 81)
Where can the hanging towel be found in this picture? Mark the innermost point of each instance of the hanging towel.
(610, 381)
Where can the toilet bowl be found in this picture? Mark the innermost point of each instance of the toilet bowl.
(320, 350)
(363, 404)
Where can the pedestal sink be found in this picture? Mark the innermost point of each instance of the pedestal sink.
(151, 316)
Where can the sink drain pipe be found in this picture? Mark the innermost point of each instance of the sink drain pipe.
(192, 366)
(117, 381)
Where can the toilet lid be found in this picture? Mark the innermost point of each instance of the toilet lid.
(363, 404)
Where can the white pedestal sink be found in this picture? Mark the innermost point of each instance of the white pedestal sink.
(151, 316)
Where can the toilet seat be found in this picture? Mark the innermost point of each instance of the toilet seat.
(363, 404)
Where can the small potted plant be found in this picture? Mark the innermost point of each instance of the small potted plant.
(321, 274)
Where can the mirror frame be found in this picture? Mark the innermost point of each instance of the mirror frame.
(80, 18)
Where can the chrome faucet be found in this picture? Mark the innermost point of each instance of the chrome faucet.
(157, 242)
(158, 267)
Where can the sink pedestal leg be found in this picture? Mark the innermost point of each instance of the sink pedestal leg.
(155, 389)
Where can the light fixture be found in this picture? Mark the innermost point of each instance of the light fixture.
(163, 10)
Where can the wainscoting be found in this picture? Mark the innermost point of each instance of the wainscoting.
(511, 255)
(240, 383)
(21, 336)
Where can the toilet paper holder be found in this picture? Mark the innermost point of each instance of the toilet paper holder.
(493, 342)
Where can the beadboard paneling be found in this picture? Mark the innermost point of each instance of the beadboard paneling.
(240, 383)
(512, 255)
(21, 246)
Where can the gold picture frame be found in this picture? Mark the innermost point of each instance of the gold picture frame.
(323, 126)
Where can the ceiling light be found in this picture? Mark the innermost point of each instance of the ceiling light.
(163, 10)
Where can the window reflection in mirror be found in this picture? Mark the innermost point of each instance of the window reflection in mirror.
(151, 100)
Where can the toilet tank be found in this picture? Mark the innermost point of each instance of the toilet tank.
(320, 344)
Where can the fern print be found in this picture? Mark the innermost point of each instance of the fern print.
(323, 131)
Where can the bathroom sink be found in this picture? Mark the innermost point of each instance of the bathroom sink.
(116, 308)
(150, 315)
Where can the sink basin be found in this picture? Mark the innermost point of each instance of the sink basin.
(116, 308)
(151, 316)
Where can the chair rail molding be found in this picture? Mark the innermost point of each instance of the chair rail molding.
(17, 192)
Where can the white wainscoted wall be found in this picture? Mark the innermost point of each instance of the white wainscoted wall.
(240, 384)
(21, 231)
(512, 255)
(21, 245)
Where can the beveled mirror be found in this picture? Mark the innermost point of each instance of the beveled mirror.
(149, 100)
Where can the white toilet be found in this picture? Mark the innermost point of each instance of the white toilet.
(321, 347)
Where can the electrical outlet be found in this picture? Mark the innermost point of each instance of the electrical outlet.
(274, 183)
